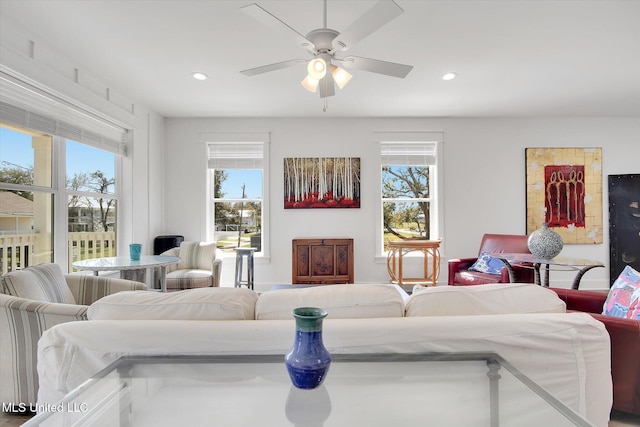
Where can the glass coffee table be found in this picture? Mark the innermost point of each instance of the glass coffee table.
(580, 265)
(452, 389)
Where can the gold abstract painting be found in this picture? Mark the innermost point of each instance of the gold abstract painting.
(564, 189)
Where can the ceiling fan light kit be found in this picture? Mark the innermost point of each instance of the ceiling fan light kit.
(324, 44)
(310, 84)
(340, 76)
(317, 68)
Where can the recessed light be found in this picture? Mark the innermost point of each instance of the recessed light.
(449, 76)
(200, 76)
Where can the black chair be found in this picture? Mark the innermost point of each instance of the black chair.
(162, 243)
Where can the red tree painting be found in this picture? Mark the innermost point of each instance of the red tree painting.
(328, 182)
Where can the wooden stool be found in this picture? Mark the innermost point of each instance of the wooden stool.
(241, 253)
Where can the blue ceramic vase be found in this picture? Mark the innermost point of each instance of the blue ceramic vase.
(308, 360)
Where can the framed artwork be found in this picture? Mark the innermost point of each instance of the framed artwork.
(564, 189)
(624, 223)
(320, 183)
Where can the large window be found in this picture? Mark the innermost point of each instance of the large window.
(29, 193)
(59, 165)
(237, 199)
(409, 208)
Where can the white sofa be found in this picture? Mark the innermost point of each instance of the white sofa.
(566, 353)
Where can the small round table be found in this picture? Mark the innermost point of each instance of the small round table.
(123, 263)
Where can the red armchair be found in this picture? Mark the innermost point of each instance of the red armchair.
(460, 275)
(625, 346)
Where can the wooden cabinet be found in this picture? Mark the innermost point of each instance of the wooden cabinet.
(322, 261)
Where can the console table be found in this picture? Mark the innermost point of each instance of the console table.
(322, 261)
(431, 265)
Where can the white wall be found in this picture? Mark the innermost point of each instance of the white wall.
(484, 182)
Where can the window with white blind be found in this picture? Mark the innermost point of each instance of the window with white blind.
(237, 174)
(409, 196)
(59, 165)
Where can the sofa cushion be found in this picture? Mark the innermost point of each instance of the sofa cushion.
(42, 282)
(196, 255)
(483, 299)
(341, 301)
(624, 295)
(189, 279)
(487, 264)
(191, 304)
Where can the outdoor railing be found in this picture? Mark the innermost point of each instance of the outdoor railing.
(18, 251)
(89, 245)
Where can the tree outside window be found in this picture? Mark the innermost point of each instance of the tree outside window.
(406, 198)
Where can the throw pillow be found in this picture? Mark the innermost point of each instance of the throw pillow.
(482, 300)
(487, 264)
(191, 304)
(634, 310)
(352, 301)
(42, 282)
(623, 295)
(196, 255)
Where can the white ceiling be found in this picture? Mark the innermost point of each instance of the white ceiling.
(513, 58)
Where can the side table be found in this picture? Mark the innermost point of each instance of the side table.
(559, 263)
(431, 265)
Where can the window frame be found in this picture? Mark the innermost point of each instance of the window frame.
(60, 195)
(31, 105)
(436, 174)
(231, 139)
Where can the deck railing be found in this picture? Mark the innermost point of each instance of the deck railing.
(17, 250)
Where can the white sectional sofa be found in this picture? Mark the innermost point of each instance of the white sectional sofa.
(566, 353)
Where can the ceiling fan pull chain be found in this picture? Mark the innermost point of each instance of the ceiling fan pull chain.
(326, 105)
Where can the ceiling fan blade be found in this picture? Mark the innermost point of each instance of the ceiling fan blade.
(263, 16)
(272, 67)
(376, 66)
(326, 86)
(380, 14)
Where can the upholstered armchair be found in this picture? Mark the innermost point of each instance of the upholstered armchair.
(33, 300)
(198, 267)
(461, 272)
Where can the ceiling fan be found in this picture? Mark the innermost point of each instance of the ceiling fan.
(325, 44)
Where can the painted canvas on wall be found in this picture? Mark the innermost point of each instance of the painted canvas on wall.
(624, 223)
(326, 182)
(564, 189)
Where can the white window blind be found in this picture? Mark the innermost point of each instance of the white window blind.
(26, 104)
(236, 155)
(408, 153)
